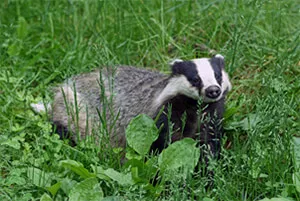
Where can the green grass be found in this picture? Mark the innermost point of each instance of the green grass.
(44, 42)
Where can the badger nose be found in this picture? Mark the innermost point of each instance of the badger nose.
(213, 92)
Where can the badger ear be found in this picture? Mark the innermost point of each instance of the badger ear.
(218, 59)
(171, 63)
(184, 68)
(179, 67)
(176, 66)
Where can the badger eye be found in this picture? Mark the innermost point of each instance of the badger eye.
(196, 81)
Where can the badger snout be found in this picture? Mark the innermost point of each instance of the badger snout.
(213, 92)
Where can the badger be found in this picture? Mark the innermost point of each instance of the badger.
(195, 90)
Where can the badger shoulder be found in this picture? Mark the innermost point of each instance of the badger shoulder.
(136, 89)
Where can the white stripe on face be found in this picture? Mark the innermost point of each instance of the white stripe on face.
(226, 85)
(177, 85)
(206, 73)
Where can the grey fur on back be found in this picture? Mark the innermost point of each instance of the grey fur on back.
(132, 91)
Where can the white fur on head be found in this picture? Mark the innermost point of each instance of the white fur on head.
(226, 85)
(219, 56)
(181, 85)
(207, 75)
(175, 61)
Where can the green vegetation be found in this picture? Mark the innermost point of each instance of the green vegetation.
(44, 42)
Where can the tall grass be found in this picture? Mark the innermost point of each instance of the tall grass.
(44, 42)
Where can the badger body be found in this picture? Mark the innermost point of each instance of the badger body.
(123, 92)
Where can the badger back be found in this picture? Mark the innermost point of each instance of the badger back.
(124, 92)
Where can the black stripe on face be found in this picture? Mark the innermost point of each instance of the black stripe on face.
(217, 65)
(189, 70)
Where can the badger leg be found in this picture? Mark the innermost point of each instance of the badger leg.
(211, 129)
(69, 114)
(161, 142)
(166, 136)
(63, 132)
(210, 139)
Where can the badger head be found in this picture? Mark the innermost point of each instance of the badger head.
(199, 78)
(205, 77)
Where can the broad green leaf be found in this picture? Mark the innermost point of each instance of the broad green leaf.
(141, 171)
(88, 189)
(46, 197)
(122, 179)
(77, 168)
(67, 185)
(22, 30)
(111, 174)
(183, 153)
(100, 172)
(54, 188)
(141, 133)
(39, 177)
(131, 154)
